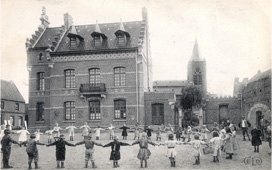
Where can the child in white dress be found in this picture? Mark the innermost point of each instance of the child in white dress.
(197, 148)
(71, 131)
(38, 135)
(216, 144)
(97, 132)
(22, 135)
(171, 151)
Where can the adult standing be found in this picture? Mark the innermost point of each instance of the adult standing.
(85, 131)
(269, 136)
(263, 128)
(124, 132)
(244, 125)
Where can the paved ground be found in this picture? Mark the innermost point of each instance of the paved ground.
(184, 160)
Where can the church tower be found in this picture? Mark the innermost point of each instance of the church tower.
(197, 70)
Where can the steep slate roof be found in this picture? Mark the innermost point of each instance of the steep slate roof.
(259, 76)
(9, 91)
(85, 31)
(48, 37)
(170, 83)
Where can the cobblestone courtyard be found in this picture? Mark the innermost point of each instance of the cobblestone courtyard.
(184, 160)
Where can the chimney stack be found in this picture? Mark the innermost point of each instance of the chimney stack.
(44, 18)
(144, 13)
(68, 21)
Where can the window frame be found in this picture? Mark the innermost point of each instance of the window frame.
(70, 110)
(13, 120)
(94, 110)
(121, 39)
(17, 107)
(120, 109)
(97, 41)
(198, 77)
(94, 77)
(40, 111)
(2, 105)
(70, 78)
(73, 43)
(41, 81)
(119, 76)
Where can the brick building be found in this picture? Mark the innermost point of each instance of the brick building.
(12, 104)
(256, 95)
(96, 73)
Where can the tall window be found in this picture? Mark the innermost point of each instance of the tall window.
(121, 40)
(97, 41)
(40, 111)
(95, 110)
(120, 109)
(20, 121)
(70, 110)
(16, 106)
(2, 105)
(73, 43)
(40, 81)
(70, 78)
(119, 76)
(12, 122)
(197, 77)
(94, 75)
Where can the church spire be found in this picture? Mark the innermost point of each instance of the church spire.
(195, 54)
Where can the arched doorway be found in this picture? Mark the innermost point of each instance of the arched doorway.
(157, 114)
(255, 114)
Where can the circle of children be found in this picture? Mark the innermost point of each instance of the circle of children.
(223, 139)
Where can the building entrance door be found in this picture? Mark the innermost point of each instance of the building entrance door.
(258, 119)
(223, 113)
(157, 114)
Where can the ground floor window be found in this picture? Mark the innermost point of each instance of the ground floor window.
(20, 121)
(70, 111)
(120, 109)
(40, 111)
(95, 113)
(157, 114)
(12, 122)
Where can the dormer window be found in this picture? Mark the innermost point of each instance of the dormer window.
(73, 43)
(121, 40)
(122, 36)
(75, 38)
(97, 41)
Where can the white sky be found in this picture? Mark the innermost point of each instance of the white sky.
(234, 36)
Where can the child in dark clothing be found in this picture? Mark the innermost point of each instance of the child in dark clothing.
(6, 148)
(89, 144)
(60, 150)
(124, 132)
(32, 151)
(256, 138)
(178, 133)
(115, 150)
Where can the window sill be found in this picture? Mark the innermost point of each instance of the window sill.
(39, 122)
(94, 120)
(119, 120)
(69, 121)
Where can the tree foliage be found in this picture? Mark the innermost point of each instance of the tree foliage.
(191, 96)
